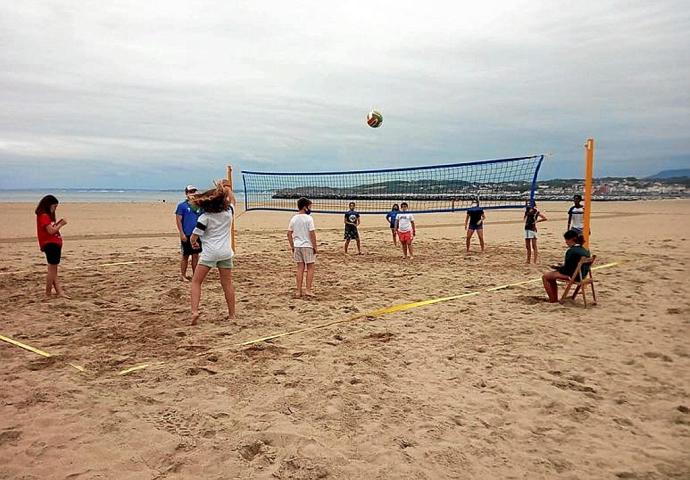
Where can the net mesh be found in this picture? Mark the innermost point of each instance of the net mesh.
(502, 183)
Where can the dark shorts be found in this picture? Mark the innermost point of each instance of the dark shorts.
(53, 253)
(187, 250)
(351, 233)
(475, 227)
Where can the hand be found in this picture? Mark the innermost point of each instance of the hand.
(62, 222)
(292, 249)
(195, 245)
(183, 237)
(315, 251)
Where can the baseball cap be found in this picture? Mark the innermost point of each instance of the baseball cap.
(190, 188)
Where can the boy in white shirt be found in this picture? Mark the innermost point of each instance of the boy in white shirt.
(404, 224)
(302, 239)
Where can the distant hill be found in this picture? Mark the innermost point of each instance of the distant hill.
(679, 173)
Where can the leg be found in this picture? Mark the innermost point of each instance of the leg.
(480, 234)
(409, 248)
(300, 277)
(197, 280)
(228, 290)
(469, 237)
(551, 285)
(359, 246)
(347, 244)
(183, 268)
(528, 246)
(195, 262)
(395, 238)
(310, 279)
(57, 285)
(50, 279)
(534, 249)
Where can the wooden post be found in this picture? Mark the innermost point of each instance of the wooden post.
(233, 230)
(589, 172)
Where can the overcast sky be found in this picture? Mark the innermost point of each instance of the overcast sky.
(161, 94)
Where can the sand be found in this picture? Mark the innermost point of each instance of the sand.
(498, 385)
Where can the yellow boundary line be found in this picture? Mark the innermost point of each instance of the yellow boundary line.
(402, 307)
(36, 351)
(372, 314)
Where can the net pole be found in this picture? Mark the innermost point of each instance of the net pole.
(589, 168)
(232, 228)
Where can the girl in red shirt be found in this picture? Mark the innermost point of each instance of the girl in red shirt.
(50, 241)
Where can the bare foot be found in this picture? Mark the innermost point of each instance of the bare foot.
(297, 295)
(195, 318)
(411, 257)
(64, 295)
(185, 278)
(309, 294)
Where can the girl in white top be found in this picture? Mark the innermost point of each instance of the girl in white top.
(214, 227)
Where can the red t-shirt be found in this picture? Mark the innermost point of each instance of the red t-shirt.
(44, 238)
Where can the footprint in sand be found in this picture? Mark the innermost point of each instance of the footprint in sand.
(9, 436)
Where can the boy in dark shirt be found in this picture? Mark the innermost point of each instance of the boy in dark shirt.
(563, 272)
(475, 217)
(351, 230)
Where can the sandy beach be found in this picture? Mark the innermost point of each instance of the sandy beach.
(499, 385)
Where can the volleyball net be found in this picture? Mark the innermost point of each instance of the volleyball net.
(500, 183)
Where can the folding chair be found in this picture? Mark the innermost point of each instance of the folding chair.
(580, 282)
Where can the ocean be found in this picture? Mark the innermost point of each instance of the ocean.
(97, 195)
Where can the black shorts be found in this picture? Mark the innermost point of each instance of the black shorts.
(187, 250)
(53, 253)
(351, 233)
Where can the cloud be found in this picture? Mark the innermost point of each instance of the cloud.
(187, 87)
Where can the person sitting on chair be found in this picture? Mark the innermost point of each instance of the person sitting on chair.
(563, 272)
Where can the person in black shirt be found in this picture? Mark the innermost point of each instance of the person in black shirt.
(532, 217)
(475, 217)
(351, 230)
(563, 272)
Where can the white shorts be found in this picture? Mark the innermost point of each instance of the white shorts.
(530, 234)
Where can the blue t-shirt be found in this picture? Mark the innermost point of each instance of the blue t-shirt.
(391, 217)
(190, 215)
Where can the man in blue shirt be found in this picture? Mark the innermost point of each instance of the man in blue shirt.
(186, 216)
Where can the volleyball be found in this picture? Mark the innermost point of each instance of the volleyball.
(374, 119)
(353, 218)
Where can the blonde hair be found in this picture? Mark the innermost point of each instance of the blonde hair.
(214, 200)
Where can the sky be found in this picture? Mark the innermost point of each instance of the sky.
(159, 94)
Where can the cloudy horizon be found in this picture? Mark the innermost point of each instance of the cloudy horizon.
(157, 95)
